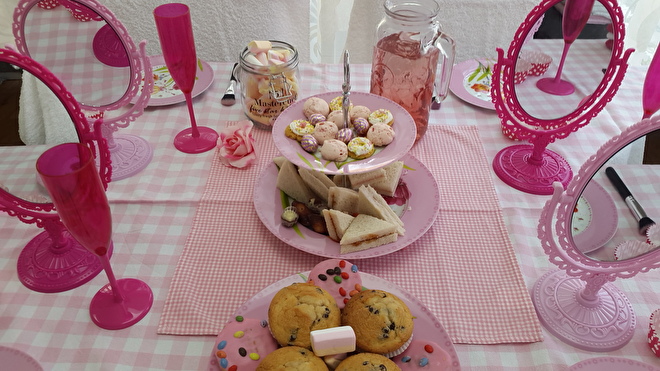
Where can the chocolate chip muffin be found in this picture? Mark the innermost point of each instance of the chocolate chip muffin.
(382, 322)
(298, 309)
(367, 362)
(292, 358)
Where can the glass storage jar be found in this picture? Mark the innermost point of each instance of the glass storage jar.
(268, 82)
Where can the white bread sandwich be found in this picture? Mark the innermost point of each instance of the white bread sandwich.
(388, 185)
(343, 199)
(290, 182)
(317, 181)
(371, 203)
(366, 232)
(336, 223)
(369, 177)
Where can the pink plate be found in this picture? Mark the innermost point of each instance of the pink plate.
(14, 359)
(418, 215)
(595, 221)
(611, 364)
(460, 85)
(404, 127)
(164, 92)
(427, 326)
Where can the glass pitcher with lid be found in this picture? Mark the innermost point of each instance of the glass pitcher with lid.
(410, 48)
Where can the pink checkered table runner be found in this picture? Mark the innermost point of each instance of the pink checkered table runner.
(453, 268)
(153, 215)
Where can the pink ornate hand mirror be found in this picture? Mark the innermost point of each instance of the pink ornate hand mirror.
(527, 113)
(83, 43)
(578, 303)
(52, 261)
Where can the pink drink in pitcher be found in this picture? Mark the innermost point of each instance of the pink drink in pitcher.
(407, 56)
(403, 74)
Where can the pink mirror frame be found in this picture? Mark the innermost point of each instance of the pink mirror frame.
(132, 153)
(542, 132)
(585, 282)
(55, 239)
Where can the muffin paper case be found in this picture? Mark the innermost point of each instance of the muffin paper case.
(631, 249)
(540, 62)
(654, 325)
(653, 235)
(523, 69)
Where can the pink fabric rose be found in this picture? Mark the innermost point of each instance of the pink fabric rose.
(236, 145)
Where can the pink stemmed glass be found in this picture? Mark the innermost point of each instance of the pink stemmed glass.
(651, 92)
(178, 45)
(69, 173)
(575, 17)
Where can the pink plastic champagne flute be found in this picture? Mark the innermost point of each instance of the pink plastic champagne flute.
(575, 17)
(651, 92)
(178, 44)
(69, 173)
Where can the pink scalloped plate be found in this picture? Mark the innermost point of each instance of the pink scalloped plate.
(418, 213)
(164, 92)
(611, 364)
(460, 85)
(404, 128)
(427, 326)
(15, 359)
(595, 221)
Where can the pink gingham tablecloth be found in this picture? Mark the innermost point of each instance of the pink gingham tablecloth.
(464, 268)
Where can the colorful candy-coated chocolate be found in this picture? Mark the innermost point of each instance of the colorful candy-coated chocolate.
(309, 143)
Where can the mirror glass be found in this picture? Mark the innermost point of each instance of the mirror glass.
(81, 49)
(586, 61)
(601, 218)
(17, 161)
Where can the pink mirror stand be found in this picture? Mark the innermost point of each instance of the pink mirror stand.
(53, 261)
(578, 303)
(534, 168)
(113, 47)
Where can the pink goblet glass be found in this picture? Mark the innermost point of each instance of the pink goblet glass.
(651, 92)
(178, 45)
(69, 173)
(575, 17)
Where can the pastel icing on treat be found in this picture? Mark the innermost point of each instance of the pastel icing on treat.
(315, 105)
(325, 130)
(382, 322)
(242, 344)
(360, 148)
(340, 278)
(334, 340)
(297, 128)
(337, 103)
(298, 309)
(359, 111)
(380, 134)
(381, 116)
(367, 362)
(309, 143)
(423, 355)
(334, 150)
(345, 135)
(361, 125)
(315, 118)
(292, 358)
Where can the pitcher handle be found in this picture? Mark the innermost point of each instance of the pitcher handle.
(447, 48)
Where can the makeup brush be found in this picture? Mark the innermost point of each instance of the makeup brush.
(229, 98)
(644, 222)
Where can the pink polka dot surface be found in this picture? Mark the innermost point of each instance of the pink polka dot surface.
(339, 277)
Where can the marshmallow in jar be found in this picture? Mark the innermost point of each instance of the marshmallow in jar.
(269, 80)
